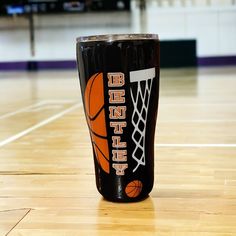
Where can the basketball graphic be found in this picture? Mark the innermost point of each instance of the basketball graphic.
(134, 188)
(95, 115)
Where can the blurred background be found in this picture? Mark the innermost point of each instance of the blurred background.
(43, 131)
(41, 34)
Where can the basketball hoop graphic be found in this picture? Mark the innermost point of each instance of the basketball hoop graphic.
(141, 86)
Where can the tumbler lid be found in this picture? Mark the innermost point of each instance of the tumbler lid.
(116, 37)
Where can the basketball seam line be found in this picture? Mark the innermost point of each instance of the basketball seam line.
(91, 131)
(134, 189)
(138, 189)
(90, 90)
(100, 151)
(94, 117)
(98, 135)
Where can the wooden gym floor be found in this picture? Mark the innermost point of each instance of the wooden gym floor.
(47, 182)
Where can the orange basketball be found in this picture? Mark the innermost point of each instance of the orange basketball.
(95, 115)
(134, 188)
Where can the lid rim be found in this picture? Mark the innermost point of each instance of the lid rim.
(116, 37)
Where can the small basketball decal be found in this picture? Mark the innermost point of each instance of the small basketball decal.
(134, 188)
(95, 115)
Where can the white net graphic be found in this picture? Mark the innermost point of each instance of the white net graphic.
(140, 93)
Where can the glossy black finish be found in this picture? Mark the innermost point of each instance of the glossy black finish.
(123, 56)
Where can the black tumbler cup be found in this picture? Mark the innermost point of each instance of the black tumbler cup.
(119, 78)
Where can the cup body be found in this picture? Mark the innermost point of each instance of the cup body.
(119, 78)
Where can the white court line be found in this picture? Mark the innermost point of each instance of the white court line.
(9, 114)
(60, 101)
(198, 145)
(39, 125)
